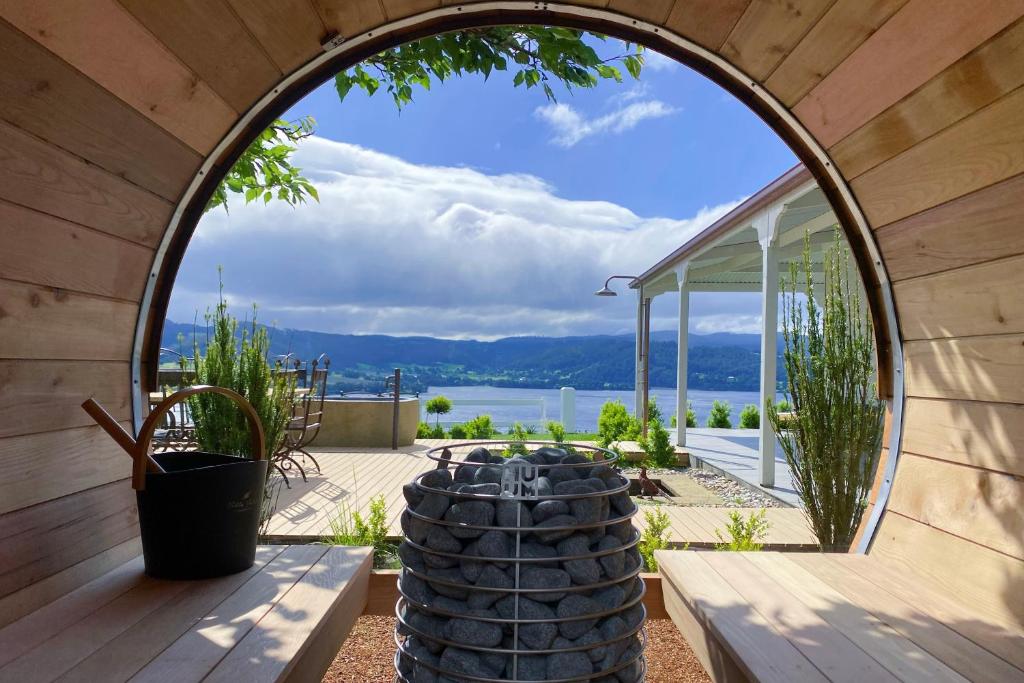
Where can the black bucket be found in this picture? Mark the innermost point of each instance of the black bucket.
(200, 518)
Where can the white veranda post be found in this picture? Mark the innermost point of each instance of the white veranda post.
(682, 349)
(638, 395)
(766, 225)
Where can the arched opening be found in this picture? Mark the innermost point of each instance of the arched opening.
(349, 52)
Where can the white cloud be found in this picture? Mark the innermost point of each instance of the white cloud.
(655, 61)
(399, 248)
(570, 126)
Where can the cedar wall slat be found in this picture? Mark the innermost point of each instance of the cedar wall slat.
(767, 32)
(50, 251)
(918, 42)
(290, 33)
(40, 176)
(349, 18)
(213, 42)
(46, 97)
(108, 45)
(706, 22)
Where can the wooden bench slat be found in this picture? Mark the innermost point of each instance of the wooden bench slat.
(891, 649)
(827, 648)
(752, 640)
(966, 657)
(995, 632)
(23, 635)
(124, 656)
(192, 656)
(336, 586)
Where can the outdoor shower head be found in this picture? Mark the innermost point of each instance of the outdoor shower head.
(608, 291)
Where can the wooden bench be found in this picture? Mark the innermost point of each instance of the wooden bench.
(835, 617)
(282, 620)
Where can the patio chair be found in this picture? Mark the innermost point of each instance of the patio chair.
(178, 431)
(307, 414)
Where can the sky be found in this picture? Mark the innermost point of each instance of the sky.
(484, 211)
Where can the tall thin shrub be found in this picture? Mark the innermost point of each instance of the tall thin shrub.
(833, 440)
(720, 416)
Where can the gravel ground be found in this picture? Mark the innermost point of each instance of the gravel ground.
(733, 494)
(366, 657)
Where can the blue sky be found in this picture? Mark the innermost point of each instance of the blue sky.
(482, 210)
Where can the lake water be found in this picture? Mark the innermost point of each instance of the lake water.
(588, 404)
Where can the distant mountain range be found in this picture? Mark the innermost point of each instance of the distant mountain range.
(359, 362)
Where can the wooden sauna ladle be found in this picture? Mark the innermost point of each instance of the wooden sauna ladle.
(118, 433)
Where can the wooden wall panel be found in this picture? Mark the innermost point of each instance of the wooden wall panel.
(290, 33)
(399, 9)
(108, 45)
(978, 227)
(53, 252)
(973, 368)
(45, 178)
(846, 25)
(40, 396)
(980, 78)
(706, 22)
(767, 31)
(987, 580)
(974, 503)
(45, 322)
(920, 40)
(977, 300)
(210, 38)
(43, 95)
(986, 435)
(983, 149)
(41, 540)
(654, 11)
(57, 464)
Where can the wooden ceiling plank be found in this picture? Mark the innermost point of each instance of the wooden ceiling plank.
(976, 300)
(706, 22)
(352, 18)
(399, 9)
(50, 251)
(972, 368)
(104, 42)
(47, 179)
(979, 151)
(981, 226)
(989, 72)
(50, 323)
(289, 32)
(208, 37)
(846, 25)
(41, 94)
(918, 42)
(654, 11)
(768, 31)
(986, 435)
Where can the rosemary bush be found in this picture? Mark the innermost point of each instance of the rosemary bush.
(653, 538)
(833, 440)
(744, 534)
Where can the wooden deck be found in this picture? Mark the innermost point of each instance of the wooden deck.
(352, 477)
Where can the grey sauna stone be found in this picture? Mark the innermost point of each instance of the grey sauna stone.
(473, 632)
(610, 597)
(413, 495)
(555, 534)
(544, 577)
(575, 605)
(537, 636)
(513, 513)
(467, 662)
(546, 509)
(469, 512)
(490, 577)
(568, 665)
(433, 505)
(494, 544)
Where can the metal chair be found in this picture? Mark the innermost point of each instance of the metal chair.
(177, 431)
(307, 416)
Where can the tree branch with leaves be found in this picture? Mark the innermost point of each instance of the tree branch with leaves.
(539, 56)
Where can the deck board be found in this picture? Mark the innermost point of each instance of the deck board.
(351, 478)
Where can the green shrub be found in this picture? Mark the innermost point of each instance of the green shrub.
(744, 535)
(438, 406)
(480, 427)
(834, 438)
(424, 431)
(613, 422)
(557, 431)
(654, 537)
(750, 417)
(783, 406)
(719, 416)
(531, 429)
(349, 528)
(457, 432)
(516, 445)
(437, 432)
(691, 417)
(657, 446)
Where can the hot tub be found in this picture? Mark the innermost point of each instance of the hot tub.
(367, 421)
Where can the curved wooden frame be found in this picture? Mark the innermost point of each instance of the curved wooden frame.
(349, 52)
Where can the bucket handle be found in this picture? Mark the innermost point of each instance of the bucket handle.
(149, 427)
